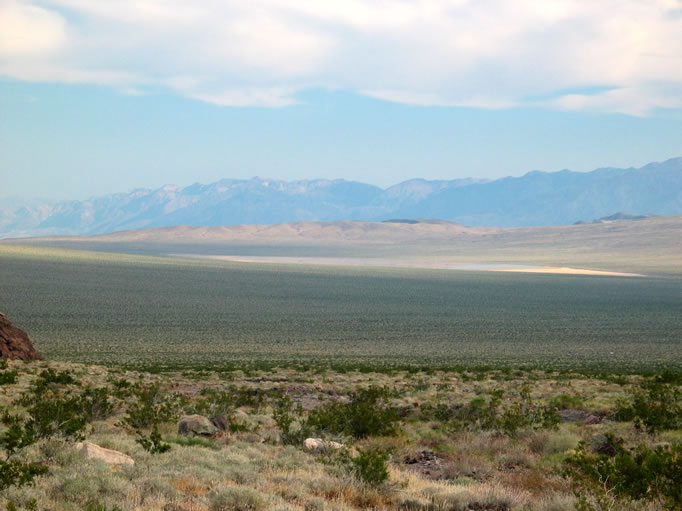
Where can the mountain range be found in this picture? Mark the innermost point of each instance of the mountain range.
(536, 198)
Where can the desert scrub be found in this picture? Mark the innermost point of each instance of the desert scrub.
(368, 413)
(7, 376)
(491, 413)
(152, 443)
(151, 405)
(214, 402)
(639, 474)
(236, 498)
(17, 437)
(655, 406)
(55, 411)
(293, 429)
(524, 414)
(563, 401)
(368, 466)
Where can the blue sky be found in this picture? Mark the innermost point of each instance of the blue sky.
(105, 96)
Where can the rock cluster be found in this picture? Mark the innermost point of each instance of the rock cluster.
(14, 342)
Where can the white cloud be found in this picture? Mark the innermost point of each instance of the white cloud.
(27, 30)
(490, 54)
(247, 97)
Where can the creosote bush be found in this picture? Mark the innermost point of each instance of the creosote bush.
(152, 443)
(18, 435)
(637, 474)
(368, 466)
(293, 429)
(492, 414)
(7, 376)
(369, 413)
(150, 406)
(654, 407)
(57, 407)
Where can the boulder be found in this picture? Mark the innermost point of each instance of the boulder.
(196, 425)
(593, 419)
(320, 446)
(220, 422)
(109, 456)
(14, 342)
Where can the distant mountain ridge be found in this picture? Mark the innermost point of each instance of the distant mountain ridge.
(537, 198)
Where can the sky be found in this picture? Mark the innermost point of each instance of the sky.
(102, 96)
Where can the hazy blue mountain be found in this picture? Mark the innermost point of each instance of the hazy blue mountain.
(537, 198)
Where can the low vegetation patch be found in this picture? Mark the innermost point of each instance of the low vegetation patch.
(470, 439)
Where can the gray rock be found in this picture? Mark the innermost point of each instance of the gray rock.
(196, 425)
(572, 415)
(220, 422)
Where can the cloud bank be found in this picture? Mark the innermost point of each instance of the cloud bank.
(607, 56)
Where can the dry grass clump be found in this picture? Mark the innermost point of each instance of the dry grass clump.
(237, 498)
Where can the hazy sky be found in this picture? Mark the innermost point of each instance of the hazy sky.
(98, 96)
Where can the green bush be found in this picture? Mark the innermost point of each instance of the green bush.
(14, 439)
(638, 474)
(7, 377)
(368, 413)
(479, 414)
(655, 406)
(441, 412)
(368, 467)
(285, 415)
(151, 406)
(50, 376)
(563, 401)
(524, 414)
(53, 412)
(520, 414)
(152, 443)
(212, 403)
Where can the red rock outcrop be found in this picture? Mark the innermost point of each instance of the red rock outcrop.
(14, 342)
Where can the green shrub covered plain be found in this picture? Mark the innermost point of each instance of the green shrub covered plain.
(139, 310)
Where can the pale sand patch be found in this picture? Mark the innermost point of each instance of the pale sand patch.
(568, 271)
(400, 263)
